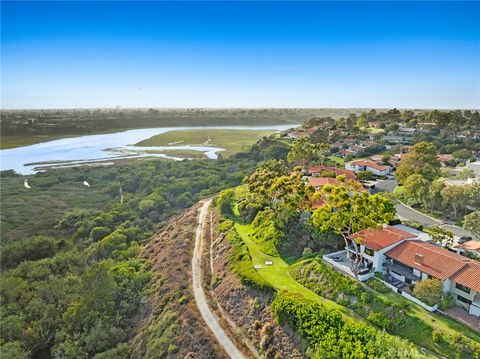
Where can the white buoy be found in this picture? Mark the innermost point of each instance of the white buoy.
(26, 185)
(85, 183)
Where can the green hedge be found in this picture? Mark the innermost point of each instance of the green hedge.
(331, 336)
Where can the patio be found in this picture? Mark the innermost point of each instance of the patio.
(340, 261)
(461, 315)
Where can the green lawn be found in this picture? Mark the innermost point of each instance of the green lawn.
(232, 140)
(339, 160)
(277, 274)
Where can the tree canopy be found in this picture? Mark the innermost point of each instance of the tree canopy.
(421, 159)
(345, 214)
(304, 152)
(471, 222)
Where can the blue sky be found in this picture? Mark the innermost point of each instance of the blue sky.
(250, 54)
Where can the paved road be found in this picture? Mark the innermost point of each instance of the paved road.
(199, 295)
(408, 213)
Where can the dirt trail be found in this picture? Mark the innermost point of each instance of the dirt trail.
(199, 294)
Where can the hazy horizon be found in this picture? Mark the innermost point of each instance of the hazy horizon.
(236, 108)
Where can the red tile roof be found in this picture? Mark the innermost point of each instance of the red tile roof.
(338, 171)
(318, 182)
(469, 276)
(444, 157)
(377, 239)
(322, 181)
(437, 262)
(369, 163)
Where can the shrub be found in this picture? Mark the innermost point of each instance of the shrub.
(225, 202)
(98, 233)
(379, 319)
(225, 225)
(28, 249)
(330, 336)
(429, 291)
(265, 233)
(458, 345)
(413, 224)
(448, 301)
(377, 285)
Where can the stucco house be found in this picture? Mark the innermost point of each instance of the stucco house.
(404, 255)
(367, 165)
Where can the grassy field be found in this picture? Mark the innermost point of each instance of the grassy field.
(277, 274)
(232, 140)
(339, 160)
(18, 141)
(179, 153)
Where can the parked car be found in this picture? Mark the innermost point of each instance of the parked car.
(464, 239)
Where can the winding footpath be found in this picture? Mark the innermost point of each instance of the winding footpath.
(199, 294)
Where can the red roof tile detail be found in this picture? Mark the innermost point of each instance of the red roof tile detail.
(318, 182)
(377, 239)
(437, 262)
(444, 157)
(369, 163)
(322, 181)
(469, 276)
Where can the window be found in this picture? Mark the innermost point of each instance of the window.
(462, 288)
(369, 252)
(464, 300)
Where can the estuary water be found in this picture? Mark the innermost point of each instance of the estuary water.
(96, 148)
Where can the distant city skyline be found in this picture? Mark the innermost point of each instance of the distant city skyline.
(240, 55)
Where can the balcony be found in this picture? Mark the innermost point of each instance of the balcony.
(405, 272)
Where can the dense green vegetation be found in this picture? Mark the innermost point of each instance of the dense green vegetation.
(387, 310)
(231, 140)
(425, 187)
(331, 336)
(74, 290)
(240, 258)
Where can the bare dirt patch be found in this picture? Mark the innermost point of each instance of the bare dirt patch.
(171, 326)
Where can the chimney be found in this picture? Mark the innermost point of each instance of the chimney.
(418, 258)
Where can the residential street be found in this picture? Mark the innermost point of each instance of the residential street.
(405, 212)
